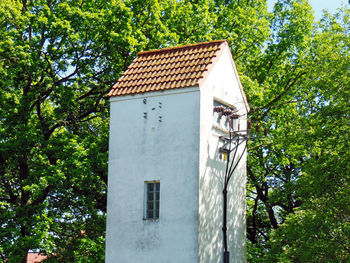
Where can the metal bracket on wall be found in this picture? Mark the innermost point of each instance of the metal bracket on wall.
(240, 136)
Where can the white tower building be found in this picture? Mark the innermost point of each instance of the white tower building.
(165, 178)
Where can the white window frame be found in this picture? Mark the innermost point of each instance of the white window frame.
(220, 122)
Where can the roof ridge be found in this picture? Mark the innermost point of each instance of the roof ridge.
(161, 50)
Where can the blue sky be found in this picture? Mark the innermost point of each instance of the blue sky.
(319, 5)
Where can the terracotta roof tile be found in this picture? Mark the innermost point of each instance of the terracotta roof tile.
(168, 68)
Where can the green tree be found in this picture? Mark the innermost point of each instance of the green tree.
(297, 191)
(319, 230)
(57, 63)
(273, 84)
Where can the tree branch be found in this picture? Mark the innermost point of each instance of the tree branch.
(43, 196)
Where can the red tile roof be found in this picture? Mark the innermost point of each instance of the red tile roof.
(35, 257)
(168, 68)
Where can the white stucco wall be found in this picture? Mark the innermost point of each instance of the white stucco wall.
(222, 85)
(144, 149)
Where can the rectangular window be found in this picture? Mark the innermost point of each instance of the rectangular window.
(152, 200)
(225, 115)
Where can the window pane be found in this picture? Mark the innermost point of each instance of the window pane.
(152, 200)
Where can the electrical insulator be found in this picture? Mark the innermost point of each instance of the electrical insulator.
(219, 109)
(227, 112)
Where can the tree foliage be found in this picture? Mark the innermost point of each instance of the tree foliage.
(58, 59)
(298, 200)
(318, 231)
